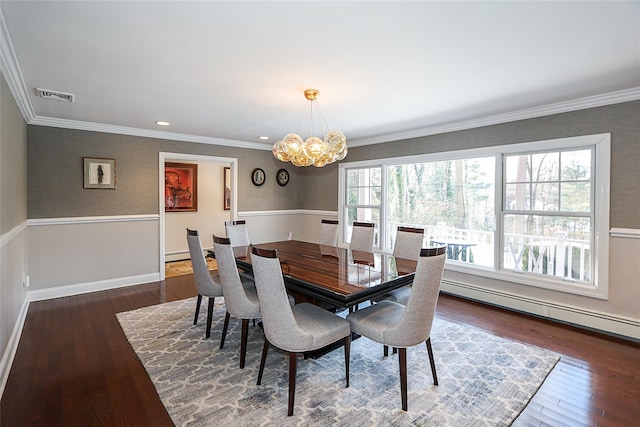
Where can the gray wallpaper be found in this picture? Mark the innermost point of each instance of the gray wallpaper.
(55, 174)
(55, 165)
(621, 120)
(13, 157)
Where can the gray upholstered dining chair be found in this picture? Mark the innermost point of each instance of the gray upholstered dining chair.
(408, 243)
(240, 296)
(400, 326)
(406, 246)
(205, 283)
(362, 236)
(298, 329)
(237, 232)
(328, 232)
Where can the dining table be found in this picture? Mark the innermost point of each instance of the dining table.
(335, 276)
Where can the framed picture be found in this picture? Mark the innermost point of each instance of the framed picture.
(282, 177)
(180, 187)
(99, 173)
(258, 177)
(227, 189)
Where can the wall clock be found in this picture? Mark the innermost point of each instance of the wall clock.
(257, 177)
(282, 177)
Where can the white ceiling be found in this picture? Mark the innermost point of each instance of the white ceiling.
(236, 70)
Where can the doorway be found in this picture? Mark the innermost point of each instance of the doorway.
(209, 206)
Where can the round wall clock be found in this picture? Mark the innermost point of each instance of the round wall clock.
(282, 176)
(257, 176)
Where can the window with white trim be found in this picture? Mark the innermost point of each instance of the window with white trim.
(528, 213)
(548, 213)
(363, 199)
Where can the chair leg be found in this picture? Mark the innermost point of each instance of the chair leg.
(347, 353)
(432, 361)
(293, 365)
(209, 315)
(386, 350)
(224, 329)
(402, 358)
(263, 359)
(243, 341)
(195, 318)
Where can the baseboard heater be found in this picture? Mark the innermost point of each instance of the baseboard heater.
(617, 326)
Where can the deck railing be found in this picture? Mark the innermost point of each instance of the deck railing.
(553, 256)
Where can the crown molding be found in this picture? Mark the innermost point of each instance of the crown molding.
(11, 70)
(12, 74)
(147, 133)
(610, 98)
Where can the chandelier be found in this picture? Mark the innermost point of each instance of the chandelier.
(314, 150)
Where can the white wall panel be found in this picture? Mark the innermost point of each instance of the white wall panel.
(84, 251)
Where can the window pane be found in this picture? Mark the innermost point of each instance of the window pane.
(576, 165)
(517, 168)
(352, 178)
(545, 197)
(544, 167)
(375, 196)
(452, 200)
(576, 196)
(352, 196)
(557, 246)
(376, 176)
(517, 197)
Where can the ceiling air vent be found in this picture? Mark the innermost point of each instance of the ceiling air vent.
(55, 95)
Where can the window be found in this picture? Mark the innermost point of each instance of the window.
(363, 199)
(529, 213)
(452, 199)
(548, 213)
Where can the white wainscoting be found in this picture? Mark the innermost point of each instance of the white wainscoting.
(13, 295)
(273, 226)
(77, 255)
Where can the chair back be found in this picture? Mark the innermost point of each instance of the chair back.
(237, 232)
(235, 297)
(415, 324)
(328, 233)
(204, 282)
(362, 236)
(408, 243)
(279, 324)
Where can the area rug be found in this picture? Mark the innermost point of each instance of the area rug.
(484, 380)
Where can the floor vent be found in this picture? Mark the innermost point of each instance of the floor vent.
(55, 95)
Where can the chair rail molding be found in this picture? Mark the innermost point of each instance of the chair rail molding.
(625, 233)
(92, 219)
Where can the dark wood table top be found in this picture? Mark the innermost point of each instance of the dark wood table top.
(335, 275)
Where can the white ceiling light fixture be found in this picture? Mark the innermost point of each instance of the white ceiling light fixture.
(161, 123)
(314, 150)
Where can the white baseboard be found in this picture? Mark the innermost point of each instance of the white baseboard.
(12, 345)
(588, 319)
(83, 288)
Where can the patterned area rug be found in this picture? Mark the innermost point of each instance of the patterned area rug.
(484, 380)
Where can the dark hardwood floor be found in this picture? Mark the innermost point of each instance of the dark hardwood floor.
(74, 367)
